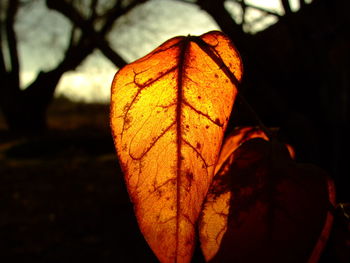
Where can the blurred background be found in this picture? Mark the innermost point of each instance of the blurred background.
(62, 195)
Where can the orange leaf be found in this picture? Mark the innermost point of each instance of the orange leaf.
(265, 207)
(213, 223)
(169, 111)
(235, 139)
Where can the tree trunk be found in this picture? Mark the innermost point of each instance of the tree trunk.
(25, 110)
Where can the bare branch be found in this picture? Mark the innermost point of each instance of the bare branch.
(256, 20)
(46, 82)
(286, 7)
(266, 11)
(93, 9)
(12, 41)
(73, 36)
(302, 3)
(244, 9)
(88, 30)
(116, 12)
(186, 1)
(2, 58)
(223, 18)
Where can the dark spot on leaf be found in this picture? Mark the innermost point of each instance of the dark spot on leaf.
(187, 182)
(198, 146)
(182, 158)
(217, 121)
(125, 147)
(189, 177)
(199, 97)
(127, 120)
(207, 126)
(187, 126)
(216, 75)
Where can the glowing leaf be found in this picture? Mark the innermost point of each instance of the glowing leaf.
(213, 223)
(276, 210)
(169, 111)
(236, 138)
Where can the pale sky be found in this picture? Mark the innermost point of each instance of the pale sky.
(145, 28)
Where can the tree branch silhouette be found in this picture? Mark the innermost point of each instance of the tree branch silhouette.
(286, 7)
(223, 18)
(25, 110)
(97, 38)
(264, 10)
(12, 41)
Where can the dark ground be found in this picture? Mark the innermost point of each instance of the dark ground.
(62, 195)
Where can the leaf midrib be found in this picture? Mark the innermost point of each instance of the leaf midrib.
(181, 68)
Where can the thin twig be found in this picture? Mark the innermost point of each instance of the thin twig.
(2, 58)
(213, 55)
(286, 7)
(266, 11)
(302, 3)
(186, 1)
(87, 27)
(12, 40)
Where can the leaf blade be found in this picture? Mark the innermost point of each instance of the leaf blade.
(277, 210)
(168, 124)
(217, 204)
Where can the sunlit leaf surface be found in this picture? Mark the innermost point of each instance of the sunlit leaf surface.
(213, 223)
(169, 111)
(235, 139)
(264, 207)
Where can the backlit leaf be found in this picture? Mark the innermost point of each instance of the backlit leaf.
(275, 210)
(169, 111)
(213, 222)
(235, 139)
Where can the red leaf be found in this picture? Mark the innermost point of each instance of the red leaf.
(276, 210)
